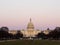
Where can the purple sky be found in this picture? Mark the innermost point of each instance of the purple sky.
(15, 14)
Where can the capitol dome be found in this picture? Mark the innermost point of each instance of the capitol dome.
(30, 25)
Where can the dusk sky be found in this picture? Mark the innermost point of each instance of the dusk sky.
(15, 14)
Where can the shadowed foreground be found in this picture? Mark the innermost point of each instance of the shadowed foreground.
(30, 42)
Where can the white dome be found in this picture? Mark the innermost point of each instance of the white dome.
(30, 25)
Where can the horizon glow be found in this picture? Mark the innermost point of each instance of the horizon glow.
(15, 14)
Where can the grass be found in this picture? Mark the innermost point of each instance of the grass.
(30, 42)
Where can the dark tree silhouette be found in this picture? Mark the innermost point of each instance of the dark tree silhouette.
(41, 35)
(48, 29)
(4, 33)
(4, 29)
(55, 34)
(19, 35)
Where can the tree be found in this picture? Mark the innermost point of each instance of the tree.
(4, 32)
(41, 35)
(4, 29)
(18, 35)
(55, 34)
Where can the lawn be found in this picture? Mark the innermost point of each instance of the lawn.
(30, 42)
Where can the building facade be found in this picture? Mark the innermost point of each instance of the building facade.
(30, 30)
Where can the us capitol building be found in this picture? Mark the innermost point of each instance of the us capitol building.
(30, 31)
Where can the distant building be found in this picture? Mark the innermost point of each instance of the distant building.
(46, 31)
(13, 31)
(30, 31)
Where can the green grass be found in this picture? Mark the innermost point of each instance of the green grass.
(31, 42)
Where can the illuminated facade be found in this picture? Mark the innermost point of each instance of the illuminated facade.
(30, 31)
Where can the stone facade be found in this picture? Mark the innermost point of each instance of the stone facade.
(30, 31)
